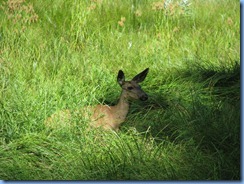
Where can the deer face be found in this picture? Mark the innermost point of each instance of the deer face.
(132, 89)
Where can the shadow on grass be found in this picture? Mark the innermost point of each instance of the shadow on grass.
(209, 116)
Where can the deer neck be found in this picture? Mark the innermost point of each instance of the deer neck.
(122, 108)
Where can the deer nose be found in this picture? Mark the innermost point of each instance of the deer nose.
(144, 98)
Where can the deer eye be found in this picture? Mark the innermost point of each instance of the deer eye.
(130, 88)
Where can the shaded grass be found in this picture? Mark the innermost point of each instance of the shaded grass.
(115, 158)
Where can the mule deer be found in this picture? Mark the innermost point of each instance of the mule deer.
(108, 117)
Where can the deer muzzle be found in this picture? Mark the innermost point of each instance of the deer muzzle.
(144, 97)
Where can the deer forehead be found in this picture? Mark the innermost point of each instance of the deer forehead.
(131, 84)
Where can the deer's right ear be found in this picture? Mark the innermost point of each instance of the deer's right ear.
(121, 77)
(141, 76)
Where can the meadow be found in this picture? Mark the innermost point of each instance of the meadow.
(65, 54)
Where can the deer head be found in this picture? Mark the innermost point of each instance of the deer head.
(132, 89)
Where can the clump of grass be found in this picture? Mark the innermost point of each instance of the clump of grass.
(19, 13)
(171, 8)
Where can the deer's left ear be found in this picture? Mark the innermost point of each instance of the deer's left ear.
(121, 77)
(141, 76)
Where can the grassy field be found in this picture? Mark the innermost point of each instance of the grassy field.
(65, 54)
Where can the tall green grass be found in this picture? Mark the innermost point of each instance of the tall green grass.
(66, 54)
